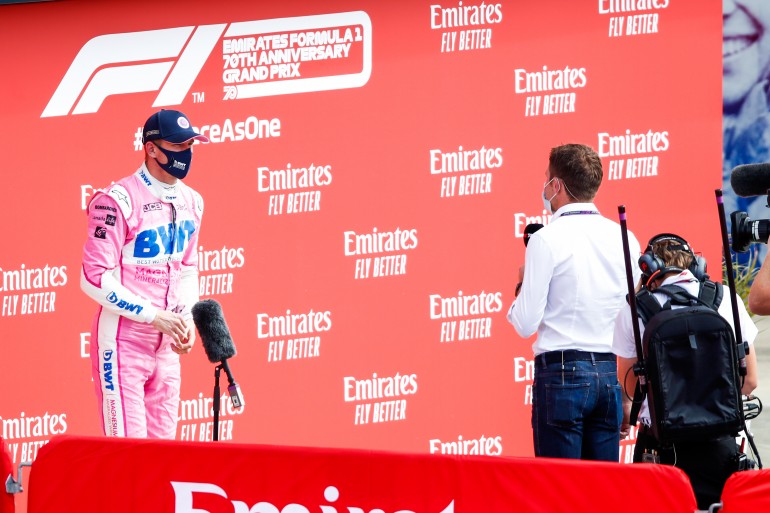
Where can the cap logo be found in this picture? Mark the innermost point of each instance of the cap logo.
(183, 123)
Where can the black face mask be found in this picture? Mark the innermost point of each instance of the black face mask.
(179, 162)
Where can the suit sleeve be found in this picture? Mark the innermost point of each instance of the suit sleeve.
(100, 276)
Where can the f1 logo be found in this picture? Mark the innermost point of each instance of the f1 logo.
(182, 51)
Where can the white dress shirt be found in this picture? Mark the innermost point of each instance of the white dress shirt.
(574, 281)
(624, 345)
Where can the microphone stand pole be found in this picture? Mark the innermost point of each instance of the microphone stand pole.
(217, 371)
(640, 367)
(742, 346)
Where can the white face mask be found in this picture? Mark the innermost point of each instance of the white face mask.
(547, 201)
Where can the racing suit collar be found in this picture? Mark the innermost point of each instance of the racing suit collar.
(163, 191)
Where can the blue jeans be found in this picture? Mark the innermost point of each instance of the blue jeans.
(576, 409)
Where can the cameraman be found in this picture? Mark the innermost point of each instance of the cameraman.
(759, 295)
(708, 464)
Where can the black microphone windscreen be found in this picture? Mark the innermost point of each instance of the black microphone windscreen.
(215, 336)
(750, 179)
(529, 230)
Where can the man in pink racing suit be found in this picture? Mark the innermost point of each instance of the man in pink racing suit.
(140, 263)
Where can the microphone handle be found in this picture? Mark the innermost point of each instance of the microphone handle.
(226, 368)
(236, 397)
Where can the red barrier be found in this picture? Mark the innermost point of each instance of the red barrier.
(74, 474)
(6, 471)
(747, 491)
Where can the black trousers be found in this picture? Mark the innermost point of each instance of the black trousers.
(708, 464)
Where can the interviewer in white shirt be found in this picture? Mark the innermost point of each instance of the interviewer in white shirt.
(572, 285)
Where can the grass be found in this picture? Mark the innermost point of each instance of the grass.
(744, 275)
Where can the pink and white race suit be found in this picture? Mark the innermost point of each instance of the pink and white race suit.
(140, 257)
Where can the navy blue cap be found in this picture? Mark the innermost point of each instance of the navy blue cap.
(171, 126)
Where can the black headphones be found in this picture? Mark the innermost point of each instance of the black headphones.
(653, 267)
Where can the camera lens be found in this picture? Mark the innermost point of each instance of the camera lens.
(745, 231)
(760, 230)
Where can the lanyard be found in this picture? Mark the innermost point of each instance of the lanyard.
(578, 213)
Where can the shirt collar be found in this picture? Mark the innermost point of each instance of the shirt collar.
(684, 277)
(163, 191)
(575, 207)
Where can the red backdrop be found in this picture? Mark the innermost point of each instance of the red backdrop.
(428, 124)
